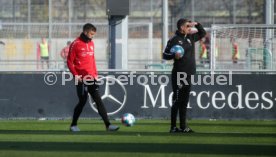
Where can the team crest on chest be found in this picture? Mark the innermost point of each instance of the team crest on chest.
(189, 41)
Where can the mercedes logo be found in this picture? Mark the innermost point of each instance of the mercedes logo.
(113, 98)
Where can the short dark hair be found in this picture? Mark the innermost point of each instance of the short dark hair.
(181, 22)
(89, 27)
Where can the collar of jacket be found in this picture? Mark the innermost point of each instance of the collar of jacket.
(178, 33)
(85, 38)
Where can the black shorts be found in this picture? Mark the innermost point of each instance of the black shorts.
(44, 58)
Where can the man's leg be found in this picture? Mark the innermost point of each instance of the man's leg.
(82, 95)
(47, 61)
(41, 63)
(184, 93)
(94, 92)
(174, 108)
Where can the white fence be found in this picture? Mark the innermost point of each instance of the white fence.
(21, 40)
(255, 45)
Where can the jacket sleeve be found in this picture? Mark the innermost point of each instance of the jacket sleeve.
(71, 58)
(94, 63)
(96, 71)
(167, 55)
(200, 34)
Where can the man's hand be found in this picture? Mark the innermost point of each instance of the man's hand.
(177, 56)
(78, 78)
(193, 29)
(193, 24)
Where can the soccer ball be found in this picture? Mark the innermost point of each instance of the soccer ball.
(128, 119)
(177, 49)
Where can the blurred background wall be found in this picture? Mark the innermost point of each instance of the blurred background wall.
(24, 22)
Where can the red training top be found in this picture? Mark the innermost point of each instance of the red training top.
(81, 59)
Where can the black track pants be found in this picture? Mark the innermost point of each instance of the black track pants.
(181, 93)
(93, 90)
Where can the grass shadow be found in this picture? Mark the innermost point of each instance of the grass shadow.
(141, 147)
(140, 133)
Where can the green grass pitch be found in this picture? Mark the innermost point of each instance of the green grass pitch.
(51, 138)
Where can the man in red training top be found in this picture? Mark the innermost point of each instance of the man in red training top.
(235, 50)
(64, 53)
(81, 63)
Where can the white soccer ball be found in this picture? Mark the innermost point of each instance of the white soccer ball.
(128, 119)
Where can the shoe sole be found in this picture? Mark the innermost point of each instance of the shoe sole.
(114, 129)
(74, 131)
(189, 132)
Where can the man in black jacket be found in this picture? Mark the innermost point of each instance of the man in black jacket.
(184, 66)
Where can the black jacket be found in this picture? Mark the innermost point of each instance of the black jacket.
(186, 63)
